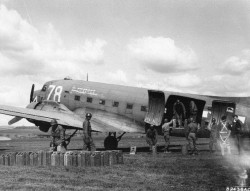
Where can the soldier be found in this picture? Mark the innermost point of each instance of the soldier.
(193, 110)
(179, 112)
(213, 135)
(224, 129)
(88, 143)
(58, 137)
(236, 132)
(166, 134)
(192, 135)
(151, 137)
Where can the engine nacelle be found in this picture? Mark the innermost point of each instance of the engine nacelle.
(44, 128)
(47, 105)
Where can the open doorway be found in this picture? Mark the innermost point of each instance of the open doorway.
(223, 108)
(192, 108)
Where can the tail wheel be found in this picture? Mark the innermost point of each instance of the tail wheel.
(110, 143)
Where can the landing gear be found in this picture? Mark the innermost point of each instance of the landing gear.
(111, 141)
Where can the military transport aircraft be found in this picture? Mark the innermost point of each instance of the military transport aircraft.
(122, 109)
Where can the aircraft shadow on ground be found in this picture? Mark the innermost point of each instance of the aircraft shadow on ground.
(172, 148)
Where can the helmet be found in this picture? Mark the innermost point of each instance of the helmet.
(53, 122)
(224, 118)
(88, 115)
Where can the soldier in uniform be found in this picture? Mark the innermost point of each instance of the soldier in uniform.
(151, 137)
(58, 137)
(213, 135)
(236, 132)
(179, 112)
(224, 129)
(192, 135)
(193, 110)
(166, 132)
(88, 143)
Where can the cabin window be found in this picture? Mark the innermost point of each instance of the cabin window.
(89, 99)
(44, 88)
(129, 106)
(102, 102)
(115, 104)
(77, 98)
(206, 114)
(143, 108)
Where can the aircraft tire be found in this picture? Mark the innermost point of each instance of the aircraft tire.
(110, 143)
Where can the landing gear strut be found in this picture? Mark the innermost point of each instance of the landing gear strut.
(111, 141)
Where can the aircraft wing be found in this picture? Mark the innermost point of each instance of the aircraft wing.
(65, 119)
(104, 121)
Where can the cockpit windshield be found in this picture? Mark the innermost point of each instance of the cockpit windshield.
(44, 88)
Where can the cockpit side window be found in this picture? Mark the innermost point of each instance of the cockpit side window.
(44, 88)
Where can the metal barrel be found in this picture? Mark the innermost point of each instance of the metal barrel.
(2, 159)
(27, 158)
(112, 158)
(61, 158)
(7, 160)
(20, 159)
(95, 158)
(75, 159)
(81, 159)
(35, 160)
(12, 158)
(47, 158)
(87, 158)
(119, 157)
(31, 156)
(55, 159)
(40, 158)
(68, 157)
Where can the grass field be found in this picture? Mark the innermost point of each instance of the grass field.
(142, 171)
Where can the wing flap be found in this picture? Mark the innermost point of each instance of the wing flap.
(105, 121)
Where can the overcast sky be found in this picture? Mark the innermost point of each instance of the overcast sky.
(186, 46)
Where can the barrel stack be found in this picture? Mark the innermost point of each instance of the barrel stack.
(68, 158)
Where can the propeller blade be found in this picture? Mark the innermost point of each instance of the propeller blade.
(14, 120)
(32, 92)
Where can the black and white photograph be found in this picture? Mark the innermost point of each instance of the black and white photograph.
(125, 95)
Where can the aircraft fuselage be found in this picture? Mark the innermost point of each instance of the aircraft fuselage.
(140, 106)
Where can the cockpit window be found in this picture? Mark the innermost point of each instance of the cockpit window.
(44, 88)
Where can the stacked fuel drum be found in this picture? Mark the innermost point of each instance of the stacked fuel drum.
(68, 159)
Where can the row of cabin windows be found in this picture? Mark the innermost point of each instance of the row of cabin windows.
(114, 104)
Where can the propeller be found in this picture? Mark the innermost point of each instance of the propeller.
(32, 92)
(16, 119)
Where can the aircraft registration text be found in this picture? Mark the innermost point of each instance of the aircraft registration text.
(84, 91)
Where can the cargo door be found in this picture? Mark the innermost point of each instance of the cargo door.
(156, 107)
(223, 108)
